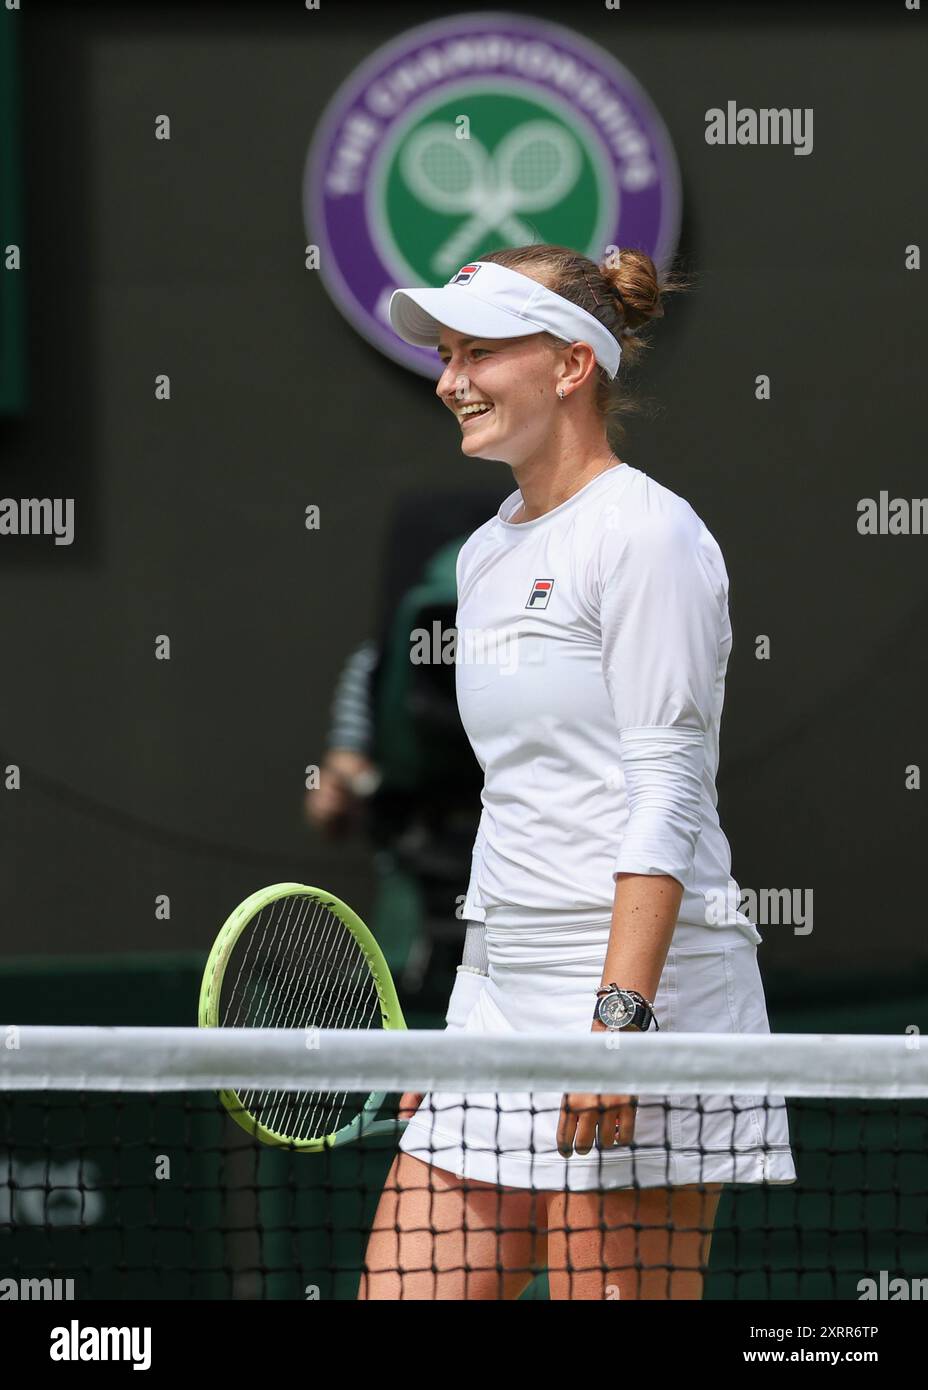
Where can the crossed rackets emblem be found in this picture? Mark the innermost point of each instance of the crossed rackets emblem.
(534, 166)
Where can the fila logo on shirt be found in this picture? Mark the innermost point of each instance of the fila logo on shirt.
(541, 592)
(464, 275)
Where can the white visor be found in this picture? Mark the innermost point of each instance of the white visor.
(485, 300)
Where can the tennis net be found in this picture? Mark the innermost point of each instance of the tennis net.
(121, 1171)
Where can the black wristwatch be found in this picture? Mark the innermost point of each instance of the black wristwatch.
(623, 1008)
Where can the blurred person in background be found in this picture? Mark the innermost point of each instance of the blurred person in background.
(398, 768)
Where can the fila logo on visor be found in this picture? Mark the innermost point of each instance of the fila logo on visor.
(541, 592)
(466, 273)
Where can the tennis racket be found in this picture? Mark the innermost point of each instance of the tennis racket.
(291, 956)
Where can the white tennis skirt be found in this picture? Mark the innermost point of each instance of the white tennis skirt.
(547, 977)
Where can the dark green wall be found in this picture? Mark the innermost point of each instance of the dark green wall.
(186, 777)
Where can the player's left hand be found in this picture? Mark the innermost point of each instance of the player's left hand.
(585, 1113)
(582, 1114)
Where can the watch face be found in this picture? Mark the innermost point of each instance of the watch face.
(616, 1010)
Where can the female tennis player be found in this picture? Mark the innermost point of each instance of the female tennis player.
(593, 641)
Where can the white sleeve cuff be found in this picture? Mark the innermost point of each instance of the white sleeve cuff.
(662, 768)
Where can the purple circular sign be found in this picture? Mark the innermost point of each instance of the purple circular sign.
(472, 133)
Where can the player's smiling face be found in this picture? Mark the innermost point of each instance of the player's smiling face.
(501, 391)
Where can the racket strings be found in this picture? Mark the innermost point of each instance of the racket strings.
(298, 966)
(326, 954)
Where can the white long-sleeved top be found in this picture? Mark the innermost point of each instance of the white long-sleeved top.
(591, 655)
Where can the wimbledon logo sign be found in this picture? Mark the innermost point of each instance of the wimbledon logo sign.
(470, 134)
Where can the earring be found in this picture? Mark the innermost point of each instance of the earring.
(560, 392)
